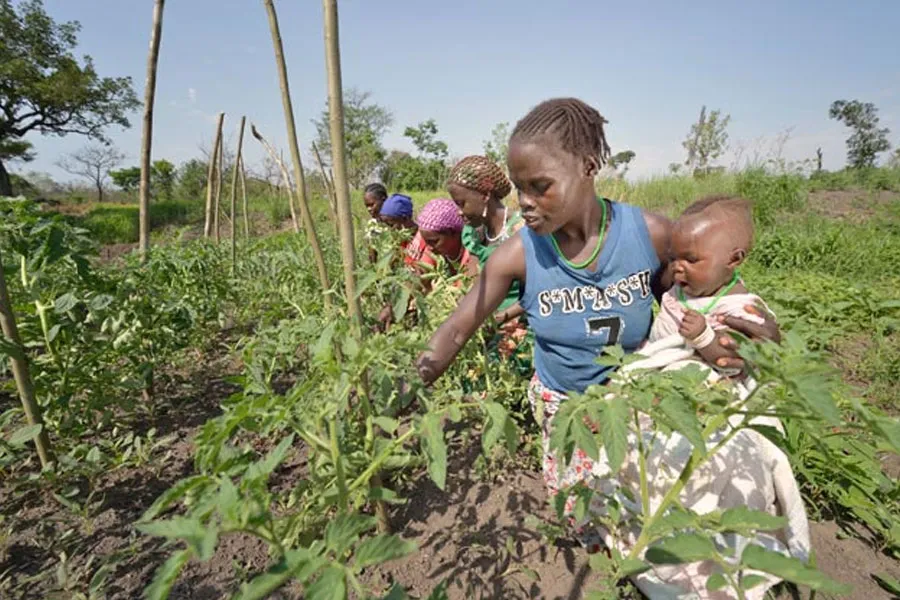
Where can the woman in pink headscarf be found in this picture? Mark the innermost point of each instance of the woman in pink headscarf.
(440, 234)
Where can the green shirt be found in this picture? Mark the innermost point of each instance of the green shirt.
(475, 241)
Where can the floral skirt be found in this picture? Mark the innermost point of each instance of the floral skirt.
(544, 404)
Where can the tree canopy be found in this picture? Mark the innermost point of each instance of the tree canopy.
(867, 140)
(44, 88)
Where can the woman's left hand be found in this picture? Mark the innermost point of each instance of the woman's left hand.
(758, 332)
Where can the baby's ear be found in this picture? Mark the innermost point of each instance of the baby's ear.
(737, 258)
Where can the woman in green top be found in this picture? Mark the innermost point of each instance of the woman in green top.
(479, 187)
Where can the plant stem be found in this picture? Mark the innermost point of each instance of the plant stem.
(373, 468)
(642, 466)
(338, 465)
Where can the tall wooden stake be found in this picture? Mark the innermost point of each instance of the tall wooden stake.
(284, 175)
(342, 194)
(295, 152)
(234, 181)
(21, 373)
(329, 188)
(211, 177)
(246, 206)
(220, 176)
(147, 138)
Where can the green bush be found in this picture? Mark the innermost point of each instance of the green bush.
(118, 223)
(878, 178)
(771, 194)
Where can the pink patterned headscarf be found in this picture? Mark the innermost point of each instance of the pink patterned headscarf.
(440, 215)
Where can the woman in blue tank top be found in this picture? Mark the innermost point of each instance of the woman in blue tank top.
(589, 268)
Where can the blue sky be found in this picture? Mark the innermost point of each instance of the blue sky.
(648, 66)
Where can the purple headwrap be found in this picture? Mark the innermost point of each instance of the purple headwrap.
(440, 216)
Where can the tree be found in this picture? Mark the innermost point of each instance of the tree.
(191, 178)
(894, 160)
(707, 140)
(162, 178)
(127, 179)
(622, 159)
(44, 88)
(424, 138)
(497, 147)
(147, 135)
(93, 163)
(426, 171)
(364, 125)
(867, 140)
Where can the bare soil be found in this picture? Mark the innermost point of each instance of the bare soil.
(851, 205)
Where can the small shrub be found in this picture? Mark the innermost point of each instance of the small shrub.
(771, 194)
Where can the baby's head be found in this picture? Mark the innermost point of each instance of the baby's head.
(711, 239)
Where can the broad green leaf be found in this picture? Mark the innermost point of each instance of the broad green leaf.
(263, 585)
(497, 417)
(401, 305)
(323, 350)
(682, 548)
(789, 569)
(614, 430)
(584, 439)
(887, 583)
(632, 566)
(200, 537)
(344, 530)
(742, 518)
(380, 549)
(396, 593)
(165, 576)
(173, 494)
(10, 349)
(716, 582)
(439, 592)
(682, 418)
(265, 467)
(387, 424)
(435, 448)
(25, 434)
(675, 520)
(511, 433)
(385, 495)
(65, 303)
(331, 585)
(748, 582)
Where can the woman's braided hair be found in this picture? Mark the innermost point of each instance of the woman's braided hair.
(481, 174)
(377, 190)
(577, 126)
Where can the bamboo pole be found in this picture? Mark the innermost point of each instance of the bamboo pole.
(345, 216)
(210, 177)
(234, 182)
(246, 206)
(295, 152)
(21, 373)
(219, 180)
(147, 137)
(329, 188)
(284, 174)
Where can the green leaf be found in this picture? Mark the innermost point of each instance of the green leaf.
(263, 585)
(748, 582)
(343, 531)
(681, 417)
(166, 575)
(23, 435)
(585, 440)
(173, 494)
(331, 585)
(632, 566)
(401, 305)
(265, 467)
(435, 448)
(716, 582)
(10, 349)
(381, 549)
(385, 495)
(676, 520)
(200, 537)
(65, 303)
(396, 593)
(323, 350)
(742, 518)
(614, 430)
(387, 424)
(683, 548)
(789, 569)
(497, 417)
(439, 592)
(887, 583)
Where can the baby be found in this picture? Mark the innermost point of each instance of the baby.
(710, 240)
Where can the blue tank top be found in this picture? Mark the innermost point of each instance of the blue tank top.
(574, 313)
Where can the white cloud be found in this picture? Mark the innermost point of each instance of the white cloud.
(192, 95)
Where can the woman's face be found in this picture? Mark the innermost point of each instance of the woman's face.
(471, 204)
(551, 183)
(373, 204)
(446, 244)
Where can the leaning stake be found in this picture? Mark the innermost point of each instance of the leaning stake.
(295, 152)
(21, 373)
(234, 181)
(210, 177)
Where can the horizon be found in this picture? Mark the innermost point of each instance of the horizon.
(776, 77)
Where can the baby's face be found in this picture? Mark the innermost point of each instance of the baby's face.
(700, 254)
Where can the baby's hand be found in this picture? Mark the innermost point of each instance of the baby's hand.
(692, 325)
